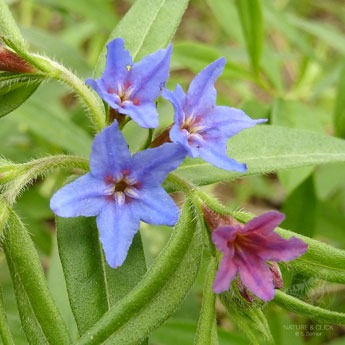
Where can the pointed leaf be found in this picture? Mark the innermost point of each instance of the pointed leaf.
(40, 317)
(160, 292)
(92, 286)
(206, 333)
(339, 109)
(315, 313)
(250, 14)
(15, 90)
(267, 149)
(156, 27)
(5, 332)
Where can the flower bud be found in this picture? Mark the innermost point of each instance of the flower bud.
(11, 62)
(276, 275)
(214, 219)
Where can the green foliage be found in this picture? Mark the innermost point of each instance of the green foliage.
(266, 149)
(8, 27)
(92, 286)
(159, 20)
(40, 318)
(15, 90)
(295, 77)
(159, 293)
(250, 14)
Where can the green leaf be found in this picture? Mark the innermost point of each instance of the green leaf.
(227, 17)
(161, 291)
(206, 333)
(339, 109)
(321, 31)
(58, 289)
(250, 14)
(52, 125)
(181, 331)
(300, 209)
(278, 20)
(315, 313)
(8, 26)
(156, 27)
(5, 332)
(295, 114)
(40, 317)
(196, 56)
(16, 89)
(267, 149)
(93, 287)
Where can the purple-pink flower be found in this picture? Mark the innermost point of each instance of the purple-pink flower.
(247, 247)
(120, 190)
(132, 89)
(201, 126)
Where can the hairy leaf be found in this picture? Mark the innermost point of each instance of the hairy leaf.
(267, 149)
(160, 292)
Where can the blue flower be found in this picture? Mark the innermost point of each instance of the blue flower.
(121, 190)
(202, 127)
(129, 88)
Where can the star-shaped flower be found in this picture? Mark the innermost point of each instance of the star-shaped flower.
(247, 247)
(121, 190)
(202, 127)
(129, 88)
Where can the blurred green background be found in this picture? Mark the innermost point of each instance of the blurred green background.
(300, 84)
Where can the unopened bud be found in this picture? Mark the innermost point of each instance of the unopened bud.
(11, 62)
(276, 275)
(214, 219)
(244, 292)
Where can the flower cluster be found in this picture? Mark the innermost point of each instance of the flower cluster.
(123, 189)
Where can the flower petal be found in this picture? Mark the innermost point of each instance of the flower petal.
(148, 76)
(202, 94)
(226, 273)
(144, 114)
(155, 206)
(180, 136)
(216, 155)
(276, 248)
(109, 154)
(117, 226)
(82, 197)
(255, 275)
(151, 166)
(222, 235)
(177, 98)
(118, 63)
(229, 121)
(265, 223)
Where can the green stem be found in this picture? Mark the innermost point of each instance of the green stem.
(206, 333)
(23, 174)
(175, 183)
(26, 272)
(4, 213)
(148, 140)
(51, 69)
(299, 307)
(93, 103)
(4, 328)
